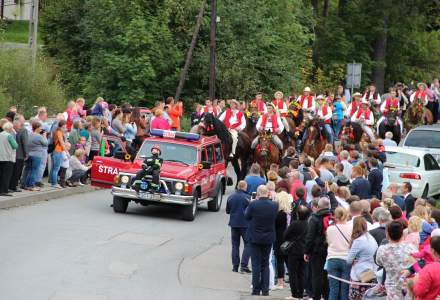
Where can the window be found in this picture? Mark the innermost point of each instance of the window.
(430, 163)
(210, 154)
(218, 153)
(171, 152)
(402, 159)
(423, 139)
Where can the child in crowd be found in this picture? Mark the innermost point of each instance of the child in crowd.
(413, 231)
(64, 165)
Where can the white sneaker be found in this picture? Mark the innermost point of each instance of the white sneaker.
(80, 183)
(277, 287)
(57, 186)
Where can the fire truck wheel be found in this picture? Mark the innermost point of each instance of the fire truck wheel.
(216, 202)
(189, 212)
(120, 204)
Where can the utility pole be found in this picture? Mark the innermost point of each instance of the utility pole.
(189, 55)
(212, 59)
(33, 31)
(2, 8)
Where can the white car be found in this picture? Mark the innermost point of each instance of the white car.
(426, 138)
(418, 167)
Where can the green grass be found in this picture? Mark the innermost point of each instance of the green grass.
(16, 32)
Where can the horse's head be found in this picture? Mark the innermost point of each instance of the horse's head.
(391, 116)
(252, 114)
(265, 142)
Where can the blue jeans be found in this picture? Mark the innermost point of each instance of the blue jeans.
(339, 268)
(43, 164)
(56, 165)
(337, 125)
(32, 165)
(236, 235)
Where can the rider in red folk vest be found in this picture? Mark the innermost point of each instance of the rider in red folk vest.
(209, 108)
(270, 121)
(307, 101)
(365, 117)
(354, 105)
(281, 108)
(420, 94)
(391, 103)
(235, 121)
(323, 111)
(258, 102)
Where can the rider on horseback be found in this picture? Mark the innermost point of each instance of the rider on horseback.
(281, 108)
(235, 122)
(421, 94)
(258, 102)
(390, 104)
(307, 102)
(365, 117)
(210, 108)
(354, 105)
(324, 112)
(271, 122)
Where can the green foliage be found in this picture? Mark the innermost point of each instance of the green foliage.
(134, 50)
(21, 87)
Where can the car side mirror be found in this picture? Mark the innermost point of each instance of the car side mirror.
(206, 165)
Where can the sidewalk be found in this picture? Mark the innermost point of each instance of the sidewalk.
(46, 194)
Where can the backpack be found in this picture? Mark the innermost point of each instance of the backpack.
(327, 220)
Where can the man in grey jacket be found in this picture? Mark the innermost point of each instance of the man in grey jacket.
(21, 137)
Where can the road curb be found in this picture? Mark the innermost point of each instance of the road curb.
(35, 197)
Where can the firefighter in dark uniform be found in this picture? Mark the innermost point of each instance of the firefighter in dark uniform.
(150, 166)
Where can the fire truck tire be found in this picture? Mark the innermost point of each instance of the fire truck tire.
(120, 204)
(189, 212)
(216, 203)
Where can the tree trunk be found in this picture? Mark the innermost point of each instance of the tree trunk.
(342, 5)
(326, 8)
(315, 5)
(189, 55)
(213, 46)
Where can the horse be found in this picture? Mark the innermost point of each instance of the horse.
(211, 126)
(390, 124)
(316, 140)
(251, 115)
(416, 115)
(266, 152)
(351, 133)
(294, 118)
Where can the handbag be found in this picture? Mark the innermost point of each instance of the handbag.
(367, 276)
(285, 247)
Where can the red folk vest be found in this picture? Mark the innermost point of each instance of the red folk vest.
(259, 104)
(365, 113)
(228, 118)
(309, 100)
(354, 107)
(391, 103)
(324, 112)
(279, 104)
(274, 120)
(420, 95)
(214, 110)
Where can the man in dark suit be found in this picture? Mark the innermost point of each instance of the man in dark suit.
(383, 217)
(235, 207)
(375, 177)
(261, 214)
(360, 186)
(410, 200)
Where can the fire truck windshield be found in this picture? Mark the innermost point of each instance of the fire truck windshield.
(171, 152)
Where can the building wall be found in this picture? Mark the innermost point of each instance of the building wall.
(15, 11)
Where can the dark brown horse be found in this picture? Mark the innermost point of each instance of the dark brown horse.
(212, 126)
(417, 115)
(390, 124)
(266, 152)
(316, 140)
(351, 133)
(252, 115)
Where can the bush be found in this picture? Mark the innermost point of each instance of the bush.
(22, 87)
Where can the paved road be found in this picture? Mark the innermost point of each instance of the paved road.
(76, 248)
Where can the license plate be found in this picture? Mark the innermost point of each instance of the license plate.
(123, 186)
(148, 196)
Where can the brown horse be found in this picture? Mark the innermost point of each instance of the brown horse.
(266, 152)
(316, 140)
(351, 133)
(417, 115)
(252, 115)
